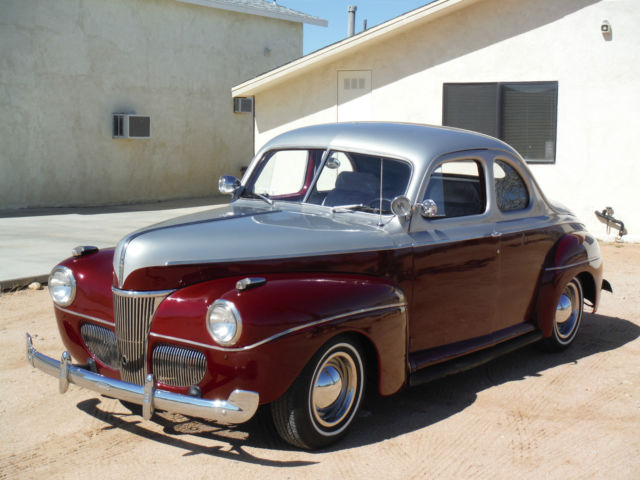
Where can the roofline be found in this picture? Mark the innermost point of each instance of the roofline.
(222, 5)
(429, 12)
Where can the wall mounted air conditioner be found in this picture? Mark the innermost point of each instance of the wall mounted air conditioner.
(243, 105)
(128, 125)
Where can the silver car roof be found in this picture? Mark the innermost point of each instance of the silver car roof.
(417, 143)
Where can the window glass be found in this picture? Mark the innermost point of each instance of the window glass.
(523, 114)
(529, 119)
(337, 162)
(511, 191)
(284, 175)
(472, 106)
(356, 182)
(458, 189)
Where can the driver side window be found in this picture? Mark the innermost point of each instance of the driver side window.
(458, 189)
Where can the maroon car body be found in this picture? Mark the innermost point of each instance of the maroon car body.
(330, 292)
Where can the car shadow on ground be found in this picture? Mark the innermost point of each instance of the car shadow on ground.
(381, 418)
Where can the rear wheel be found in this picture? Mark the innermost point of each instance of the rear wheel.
(567, 318)
(323, 401)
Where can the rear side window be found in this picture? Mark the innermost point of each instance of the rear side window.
(458, 189)
(511, 191)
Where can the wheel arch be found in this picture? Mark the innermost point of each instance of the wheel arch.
(588, 284)
(575, 255)
(371, 356)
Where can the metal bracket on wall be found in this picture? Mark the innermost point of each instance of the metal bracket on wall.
(606, 217)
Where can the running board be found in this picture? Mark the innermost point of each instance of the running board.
(472, 360)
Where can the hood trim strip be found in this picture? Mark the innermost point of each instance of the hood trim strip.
(280, 257)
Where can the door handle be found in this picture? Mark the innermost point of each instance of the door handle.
(496, 236)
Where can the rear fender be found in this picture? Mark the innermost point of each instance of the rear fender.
(575, 255)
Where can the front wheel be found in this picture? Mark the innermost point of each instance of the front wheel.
(567, 318)
(323, 401)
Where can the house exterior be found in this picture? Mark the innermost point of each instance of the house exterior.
(558, 80)
(67, 66)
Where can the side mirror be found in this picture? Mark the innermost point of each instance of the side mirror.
(428, 208)
(401, 206)
(228, 184)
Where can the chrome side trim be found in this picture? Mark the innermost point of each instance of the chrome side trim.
(238, 408)
(401, 306)
(88, 317)
(577, 264)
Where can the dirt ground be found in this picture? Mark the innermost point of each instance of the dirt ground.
(526, 415)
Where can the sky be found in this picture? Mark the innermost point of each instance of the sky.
(335, 12)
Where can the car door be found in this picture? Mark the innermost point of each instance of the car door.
(525, 241)
(455, 256)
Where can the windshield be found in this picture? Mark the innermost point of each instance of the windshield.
(335, 179)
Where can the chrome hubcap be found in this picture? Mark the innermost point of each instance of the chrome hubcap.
(567, 312)
(334, 389)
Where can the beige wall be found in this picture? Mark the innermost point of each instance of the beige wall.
(507, 40)
(66, 66)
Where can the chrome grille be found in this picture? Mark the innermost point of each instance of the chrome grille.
(101, 342)
(178, 366)
(133, 312)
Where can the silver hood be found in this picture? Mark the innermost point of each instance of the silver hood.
(240, 232)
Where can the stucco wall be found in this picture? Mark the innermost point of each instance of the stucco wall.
(506, 40)
(66, 66)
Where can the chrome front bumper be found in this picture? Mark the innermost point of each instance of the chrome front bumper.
(239, 408)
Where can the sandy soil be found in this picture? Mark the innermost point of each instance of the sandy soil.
(526, 415)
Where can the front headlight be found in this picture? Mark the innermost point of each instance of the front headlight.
(224, 322)
(62, 286)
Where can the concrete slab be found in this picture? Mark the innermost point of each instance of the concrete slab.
(33, 241)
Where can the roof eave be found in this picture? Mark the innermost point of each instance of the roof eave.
(302, 18)
(427, 13)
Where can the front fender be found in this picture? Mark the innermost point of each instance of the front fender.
(284, 322)
(93, 301)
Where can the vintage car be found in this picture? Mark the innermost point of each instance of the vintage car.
(351, 254)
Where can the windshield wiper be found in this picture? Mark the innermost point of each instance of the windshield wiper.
(358, 207)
